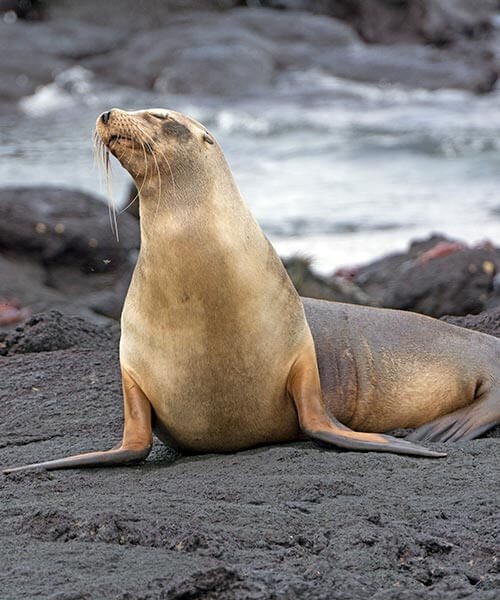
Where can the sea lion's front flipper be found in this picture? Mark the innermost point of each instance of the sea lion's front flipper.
(463, 424)
(305, 388)
(136, 442)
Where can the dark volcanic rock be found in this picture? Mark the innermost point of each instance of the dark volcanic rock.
(412, 66)
(375, 276)
(38, 288)
(233, 52)
(386, 21)
(63, 226)
(23, 9)
(57, 251)
(33, 54)
(311, 285)
(486, 322)
(458, 283)
(236, 52)
(52, 331)
(246, 50)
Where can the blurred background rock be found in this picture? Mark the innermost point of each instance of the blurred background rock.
(353, 127)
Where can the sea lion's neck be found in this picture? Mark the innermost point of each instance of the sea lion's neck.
(190, 220)
(166, 209)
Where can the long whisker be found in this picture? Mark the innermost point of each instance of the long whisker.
(146, 166)
(138, 191)
(174, 188)
(112, 204)
(98, 144)
(101, 155)
(151, 145)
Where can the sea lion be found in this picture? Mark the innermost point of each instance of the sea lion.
(216, 354)
(384, 369)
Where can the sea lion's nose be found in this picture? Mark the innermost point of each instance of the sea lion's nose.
(105, 117)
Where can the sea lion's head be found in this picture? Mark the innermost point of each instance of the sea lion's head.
(155, 144)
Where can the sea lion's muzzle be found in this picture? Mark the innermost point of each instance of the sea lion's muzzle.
(111, 129)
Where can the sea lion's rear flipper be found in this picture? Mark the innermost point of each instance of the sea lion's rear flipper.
(305, 388)
(463, 424)
(136, 442)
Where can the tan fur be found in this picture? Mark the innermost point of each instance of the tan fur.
(384, 369)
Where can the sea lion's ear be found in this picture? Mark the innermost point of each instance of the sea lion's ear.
(207, 138)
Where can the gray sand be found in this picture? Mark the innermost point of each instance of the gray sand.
(293, 521)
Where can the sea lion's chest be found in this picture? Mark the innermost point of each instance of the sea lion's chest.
(216, 375)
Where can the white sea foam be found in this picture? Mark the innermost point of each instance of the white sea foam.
(69, 89)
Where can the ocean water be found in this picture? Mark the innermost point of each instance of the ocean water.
(338, 171)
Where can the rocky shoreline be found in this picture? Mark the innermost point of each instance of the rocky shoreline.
(289, 521)
(181, 47)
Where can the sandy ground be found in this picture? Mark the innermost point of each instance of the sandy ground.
(293, 521)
